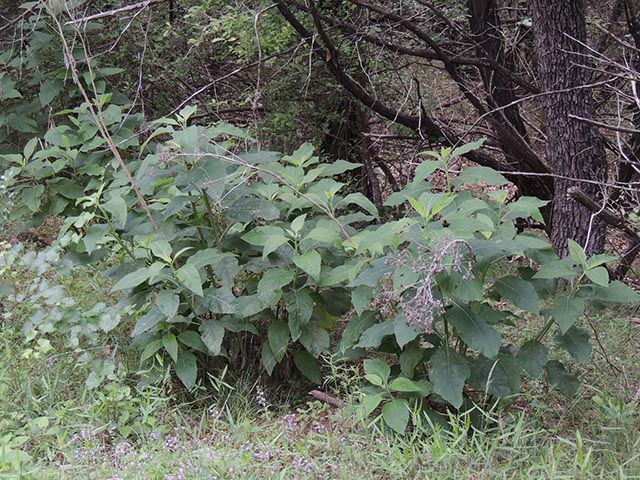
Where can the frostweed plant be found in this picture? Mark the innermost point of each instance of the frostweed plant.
(425, 306)
(244, 258)
(241, 245)
(426, 290)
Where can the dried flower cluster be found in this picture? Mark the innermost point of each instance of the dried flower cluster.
(425, 305)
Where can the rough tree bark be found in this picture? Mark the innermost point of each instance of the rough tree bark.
(574, 148)
(501, 97)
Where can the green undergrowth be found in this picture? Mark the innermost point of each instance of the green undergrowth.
(85, 410)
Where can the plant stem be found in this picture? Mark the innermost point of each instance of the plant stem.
(545, 329)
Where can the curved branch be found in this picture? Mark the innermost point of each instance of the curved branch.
(420, 123)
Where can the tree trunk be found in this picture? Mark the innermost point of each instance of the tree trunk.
(511, 133)
(575, 150)
(629, 172)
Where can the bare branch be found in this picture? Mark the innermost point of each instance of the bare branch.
(111, 13)
(609, 216)
(615, 128)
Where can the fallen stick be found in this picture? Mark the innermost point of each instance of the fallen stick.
(325, 397)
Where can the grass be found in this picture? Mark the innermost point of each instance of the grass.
(84, 410)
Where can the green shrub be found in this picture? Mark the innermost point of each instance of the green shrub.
(254, 253)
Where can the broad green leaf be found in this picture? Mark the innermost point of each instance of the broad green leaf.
(299, 310)
(212, 334)
(48, 91)
(530, 242)
(576, 342)
(361, 297)
(467, 147)
(410, 357)
(308, 365)
(248, 305)
(248, 209)
(355, 328)
(229, 130)
(186, 369)
(566, 310)
(616, 292)
(260, 235)
(532, 357)
(13, 458)
(268, 360)
(467, 290)
(148, 321)
(360, 200)
(395, 414)
(475, 332)
(208, 256)
(117, 207)
(32, 197)
(190, 278)
(226, 269)
(404, 385)
(404, 333)
(167, 302)
(69, 189)
(525, 207)
(413, 189)
(12, 158)
(315, 339)
(371, 275)
(599, 276)
(208, 175)
(310, 262)
(150, 349)
(96, 234)
(272, 244)
(324, 235)
(448, 372)
(369, 403)
(111, 115)
(486, 175)
(337, 167)
(419, 208)
(108, 71)
(521, 292)
(372, 337)
(374, 379)
(133, 279)
(425, 169)
(271, 284)
(555, 269)
(301, 155)
(373, 366)
(161, 249)
(219, 300)
(298, 223)
(170, 344)
(577, 253)
(154, 270)
(278, 335)
(560, 378)
(193, 340)
(235, 324)
(499, 377)
(600, 259)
